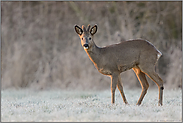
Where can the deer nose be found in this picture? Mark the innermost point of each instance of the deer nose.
(86, 46)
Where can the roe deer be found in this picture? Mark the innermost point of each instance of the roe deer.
(140, 55)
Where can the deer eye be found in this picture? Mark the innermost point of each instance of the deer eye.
(89, 38)
(82, 38)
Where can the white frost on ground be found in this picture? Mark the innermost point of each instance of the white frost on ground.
(57, 105)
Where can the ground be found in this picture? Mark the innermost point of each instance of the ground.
(63, 105)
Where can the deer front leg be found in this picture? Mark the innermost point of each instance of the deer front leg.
(120, 87)
(114, 81)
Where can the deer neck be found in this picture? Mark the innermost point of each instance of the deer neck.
(94, 54)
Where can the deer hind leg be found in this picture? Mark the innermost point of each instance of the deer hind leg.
(120, 87)
(159, 82)
(114, 81)
(154, 76)
(143, 81)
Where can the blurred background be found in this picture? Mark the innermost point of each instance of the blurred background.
(40, 49)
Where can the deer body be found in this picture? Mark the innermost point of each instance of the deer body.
(139, 55)
(116, 57)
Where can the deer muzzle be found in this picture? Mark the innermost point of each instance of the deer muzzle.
(86, 46)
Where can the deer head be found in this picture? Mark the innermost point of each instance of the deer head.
(86, 35)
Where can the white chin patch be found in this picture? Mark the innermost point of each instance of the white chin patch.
(86, 48)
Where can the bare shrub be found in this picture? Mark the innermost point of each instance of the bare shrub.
(174, 75)
(41, 50)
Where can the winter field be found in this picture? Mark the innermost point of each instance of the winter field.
(58, 105)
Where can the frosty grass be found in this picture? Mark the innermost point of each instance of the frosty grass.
(59, 105)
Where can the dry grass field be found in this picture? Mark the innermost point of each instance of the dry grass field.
(40, 48)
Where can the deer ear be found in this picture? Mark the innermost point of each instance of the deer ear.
(93, 30)
(78, 30)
